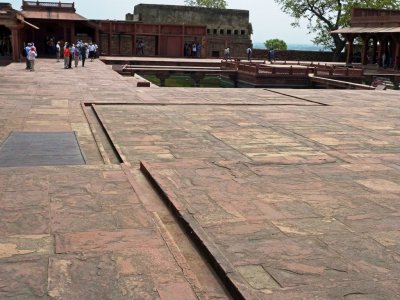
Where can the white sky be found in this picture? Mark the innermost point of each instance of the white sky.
(265, 15)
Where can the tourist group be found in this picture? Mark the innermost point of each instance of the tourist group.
(71, 53)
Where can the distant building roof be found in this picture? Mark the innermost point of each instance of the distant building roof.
(367, 30)
(368, 20)
(45, 15)
(56, 6)
(50, 11)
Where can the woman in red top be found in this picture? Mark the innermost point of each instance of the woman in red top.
(67, 54)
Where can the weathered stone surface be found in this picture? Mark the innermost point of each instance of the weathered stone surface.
(24, 245)
(258, 278)
(117, 275)
(105, 241)
(21, 220)
(294, 200)
(127, 260)
(24, 278)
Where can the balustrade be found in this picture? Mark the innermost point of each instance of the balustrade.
(43, 5)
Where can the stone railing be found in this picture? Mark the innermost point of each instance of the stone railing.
(29, 5)
(286, 70)
(294, 55)
(337, 71)
(300, 69)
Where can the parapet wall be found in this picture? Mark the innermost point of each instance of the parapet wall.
(179, 14)
(297, 55)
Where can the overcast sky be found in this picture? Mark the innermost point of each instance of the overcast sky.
(265, 15)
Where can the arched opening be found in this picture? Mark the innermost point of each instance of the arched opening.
(5, 42)
(45, 38)
(84, 33)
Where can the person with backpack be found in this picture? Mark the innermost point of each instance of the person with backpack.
(25, 52)
(83, 50)
(249, 52)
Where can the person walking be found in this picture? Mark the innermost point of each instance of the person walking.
(67, 54)
(96, 51)
(83, 50)
(227, 54)
(271, 55)
(92, 49)
(58, 51)
(194, 50)
(198, 49)
(249, 53)
(71, 54)
(27, 49)
(32, 58)
(71, 48)
(142, 47)
(76, 56)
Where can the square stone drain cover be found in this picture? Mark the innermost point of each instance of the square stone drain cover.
(40, 149)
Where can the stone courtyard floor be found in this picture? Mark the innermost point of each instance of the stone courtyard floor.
(285, 194)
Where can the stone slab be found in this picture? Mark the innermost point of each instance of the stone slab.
(40, 149)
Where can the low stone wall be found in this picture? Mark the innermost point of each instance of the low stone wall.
(296, 55)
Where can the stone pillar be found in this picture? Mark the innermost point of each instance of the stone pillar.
(396, 81)
(203, 49)
(350, 46)
(374, 49)
(234, 78)
(197, 77)
(158, 42)
(15, 43)
(65, 34)
(97, 36)
(73, 38)
(396, 64)
(109, 38)
(380, 48)
(162, 76)
(364, 55)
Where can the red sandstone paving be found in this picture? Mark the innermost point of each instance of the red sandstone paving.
(105, 243)
(294, 198)
(300, 199)
(321, 181)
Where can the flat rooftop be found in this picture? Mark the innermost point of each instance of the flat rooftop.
(286, 194)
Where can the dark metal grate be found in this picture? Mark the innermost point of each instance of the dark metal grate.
(40, 149)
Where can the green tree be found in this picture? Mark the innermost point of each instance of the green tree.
(207, 3)
(276, 44)
(325, 16)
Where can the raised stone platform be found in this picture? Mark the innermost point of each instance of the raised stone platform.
(289, 194)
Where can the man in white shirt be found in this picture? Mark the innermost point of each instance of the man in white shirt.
(58, 51)
(249, 52)
(92, 51)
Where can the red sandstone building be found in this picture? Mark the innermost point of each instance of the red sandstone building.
(45, 23)
(379, 33)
